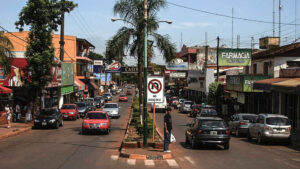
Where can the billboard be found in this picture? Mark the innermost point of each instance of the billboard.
(234, 57)
(114, 67)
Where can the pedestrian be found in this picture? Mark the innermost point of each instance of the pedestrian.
(18, 112)
(28, 113)
(167, 129)
(8, 115)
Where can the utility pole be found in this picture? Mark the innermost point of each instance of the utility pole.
(218, 41)
(145, 71)
(232, 29)
(279, 23)
(181, 40)
(252, 43)
(62, 35)
(206, 39)
(273, 18)
(238, 41)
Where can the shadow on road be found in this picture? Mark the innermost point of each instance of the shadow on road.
(201, 147)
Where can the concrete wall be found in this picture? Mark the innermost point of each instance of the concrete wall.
(201, 78)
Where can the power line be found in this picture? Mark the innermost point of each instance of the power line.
(227, 16)
(13, 34)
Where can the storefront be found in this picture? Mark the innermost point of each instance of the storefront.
(67, 83)
(5, 98)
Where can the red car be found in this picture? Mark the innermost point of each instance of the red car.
(69, 111)
(123, 98)
(97, 121)
(128, 92)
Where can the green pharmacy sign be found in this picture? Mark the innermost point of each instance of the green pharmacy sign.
(234, 57)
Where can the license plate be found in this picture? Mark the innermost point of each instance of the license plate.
(65, 115)
(213, 132)
(44, 123)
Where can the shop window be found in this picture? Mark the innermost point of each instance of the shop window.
(254, 68)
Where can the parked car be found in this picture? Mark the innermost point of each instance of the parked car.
(160, 107)
(128, 92)
(113, 92)
(120, 89)
(112, 109)
(90, 106)
(186, 106)
(49, 118)
(207, 112)
(208, 130)
(196, 109)
(99, 100)
(174, 103)
(180, 102)
(82, 108)
(123, 98)
(96, 121)
(270, 127)
(108, 96)
(239, 123)
(70, 111)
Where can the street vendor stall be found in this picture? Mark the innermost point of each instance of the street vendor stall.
(4, 99)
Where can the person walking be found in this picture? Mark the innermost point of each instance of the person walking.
(167, 129)
(18, 112)
(8, 115)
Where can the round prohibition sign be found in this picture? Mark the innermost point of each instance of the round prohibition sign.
(154, 86)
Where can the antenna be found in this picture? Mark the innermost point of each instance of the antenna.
(279, 23)
(295, 21)
(274, 18)
(232, 30)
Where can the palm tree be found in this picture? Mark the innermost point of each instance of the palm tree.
(130, 38)
(5, 53)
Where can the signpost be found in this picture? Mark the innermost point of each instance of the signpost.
(234, 57)
(155, 94)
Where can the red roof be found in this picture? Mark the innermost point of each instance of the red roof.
(19, 62)
(287, 50)
(5, 90)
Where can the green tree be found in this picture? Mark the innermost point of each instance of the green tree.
(215, 92)
(131, 37)
(95, 56)
(5, 53)
(43, 17)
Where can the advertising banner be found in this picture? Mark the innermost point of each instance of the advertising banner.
(181, 66)
(177, 75)
(114, 67)
(67, 76)
(102, 76)
(234, 57)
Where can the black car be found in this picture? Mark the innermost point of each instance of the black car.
(49, 118)
(208, 130)
(206, 112)
(113, 92)
(82, 108)
(99, 100)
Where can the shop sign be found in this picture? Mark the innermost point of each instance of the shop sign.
(67, 77)
(114, 67)
(234, 57)
(98, 62)
(234, 83)
(56, 77)
(129, 69)
(101, 76)
(176, 66)
(17, 73)
(177, 75)
(67, 90)
(249, 81)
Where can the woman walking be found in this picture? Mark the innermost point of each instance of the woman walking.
(8, 115)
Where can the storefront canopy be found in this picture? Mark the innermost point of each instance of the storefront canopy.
(267, 83)
(79, 83)
(4, 90)
(291, 83)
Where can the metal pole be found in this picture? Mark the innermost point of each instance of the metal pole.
(279, 23)
(145, 72)
(153, 127)
(273, 18)
(62, 35)
(218, 40)
(232, 29)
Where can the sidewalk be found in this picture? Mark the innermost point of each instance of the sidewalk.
(148, 153)
(16, 128)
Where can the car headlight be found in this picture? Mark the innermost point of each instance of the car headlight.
(103, 124)
(72, 112)
(52, 120)
(36, 120)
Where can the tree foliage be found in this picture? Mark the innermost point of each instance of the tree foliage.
(95, 56)
(43, 17)
(215, 91)
(5, 53)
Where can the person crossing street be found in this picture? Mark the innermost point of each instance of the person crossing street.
(167, 129)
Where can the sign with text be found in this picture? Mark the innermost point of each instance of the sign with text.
(98, 62)
(177, 75)
(155, 89)
(234, 57)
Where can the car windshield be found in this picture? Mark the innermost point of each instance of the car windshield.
(80, 104)
(95, 116)
(48, 112)
(68, 107)
(122, 95)
(212, 124)
(249, 117)
(189, 102)
(211, 112)
(106, 95)
(111, 106)
(277, 121)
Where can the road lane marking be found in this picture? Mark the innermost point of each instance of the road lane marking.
(114, 157)
(131, 161)
(286, 163)
(172, 163)
(181, 159)
(189, 159)
(149, 163)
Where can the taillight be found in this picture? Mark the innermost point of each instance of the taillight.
(268, 128)
(227, 132)
(199, 131)
(242, 123)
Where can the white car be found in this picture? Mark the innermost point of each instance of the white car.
(160, 107)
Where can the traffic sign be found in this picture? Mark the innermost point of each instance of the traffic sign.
(155, 89)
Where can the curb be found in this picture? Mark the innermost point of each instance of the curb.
(144, 157)
(10, 134)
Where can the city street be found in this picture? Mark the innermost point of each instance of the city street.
(65, 148)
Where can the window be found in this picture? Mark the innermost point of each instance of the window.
(293, 63)
(201, 85)
(254, 68)
(266, 67)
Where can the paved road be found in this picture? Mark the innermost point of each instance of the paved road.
(242, 154)
(65, 148)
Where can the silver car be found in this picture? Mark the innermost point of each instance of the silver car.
(112, 110)
(239, 123)
(270, 127)
(186, 106)
(108, 95)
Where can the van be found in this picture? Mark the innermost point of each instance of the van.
(160, 107)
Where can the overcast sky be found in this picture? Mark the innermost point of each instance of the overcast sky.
(91, 20)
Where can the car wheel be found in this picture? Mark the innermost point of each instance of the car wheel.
(107, 131)
(56, 125)
(193, 143)
(62, 123)
(249, 136)
(237, 133)
(260, 139)
(226, 145)
(83, 132)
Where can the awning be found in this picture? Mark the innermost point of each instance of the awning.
(84, 58)
(93, 85)
(79, 83)
(267, 83)
(292, 83)
(5, 90)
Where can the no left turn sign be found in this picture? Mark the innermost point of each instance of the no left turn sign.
(155, 89)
